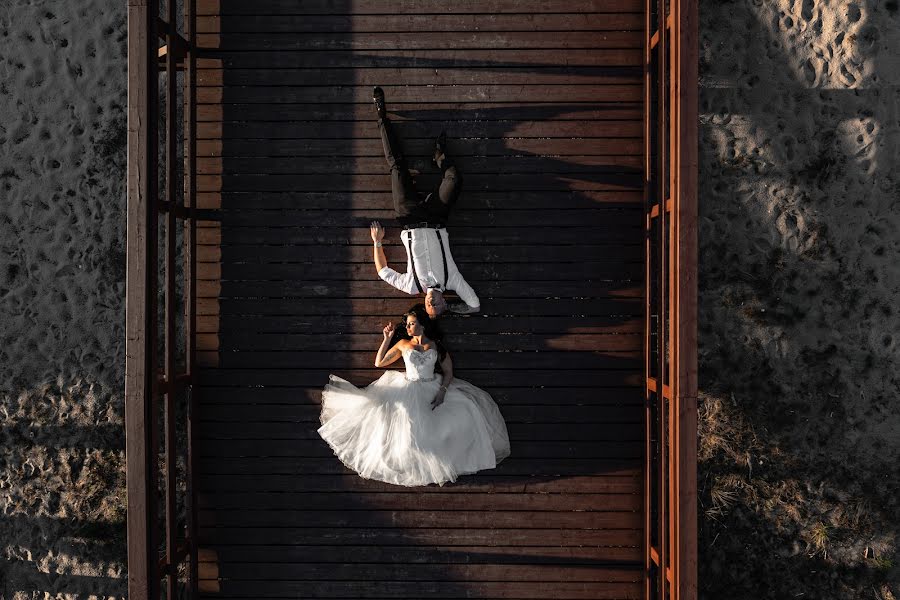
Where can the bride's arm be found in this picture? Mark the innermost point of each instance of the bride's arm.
(384, 356)
(447, 367)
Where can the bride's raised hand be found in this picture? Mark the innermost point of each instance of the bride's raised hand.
(388, 331)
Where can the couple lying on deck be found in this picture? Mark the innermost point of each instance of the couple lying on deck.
(416, 428)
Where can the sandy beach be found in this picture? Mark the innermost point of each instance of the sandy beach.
(799, 343)
(798, 353)
(62, 285)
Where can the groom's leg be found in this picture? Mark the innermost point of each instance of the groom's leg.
(451, 183)
(402, 188)
(406, 205)
(445, 195)
(392, 150)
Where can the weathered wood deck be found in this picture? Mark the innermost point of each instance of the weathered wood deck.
(543, 109)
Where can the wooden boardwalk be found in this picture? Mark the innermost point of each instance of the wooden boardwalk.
(542, 103)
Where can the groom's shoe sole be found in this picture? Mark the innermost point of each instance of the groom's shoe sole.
(378, 99)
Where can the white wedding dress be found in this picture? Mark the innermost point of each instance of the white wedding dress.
(388, 431)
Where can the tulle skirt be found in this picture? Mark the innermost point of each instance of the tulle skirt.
(388, 431)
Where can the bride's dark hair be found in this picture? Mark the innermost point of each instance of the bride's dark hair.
(433, 329)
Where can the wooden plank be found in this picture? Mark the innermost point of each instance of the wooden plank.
(558, 397)
(495, 235)
(223, 449)
(685, 302)
(421, 76)
(330, 466)
(140, 306)
(412, 23)
(611, 225)
(497, 59)
(517, 432)
(353, 227)
(470, 200)
(455, 536)
(419, 149)
(574, 165)
(381, 183)
(473, 342)
(614, 378)
(418, 40)
(242, 242)
(372, 289)
(585, 555)
(396, 256)
(229, 373)
(190, 293)
(409, 113)
(473, 272)
(372, 7)
(606, 137)
(462, 360)
(426, 572)
(232, 255)
(398, 306)
(418, 589)
(417, 132)
(413, 520)
(453, 503)
(486, 482)
(512, 413)
(172, 533)
(599, 324)
(441, 93)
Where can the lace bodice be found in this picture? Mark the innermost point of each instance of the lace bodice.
(419, 364)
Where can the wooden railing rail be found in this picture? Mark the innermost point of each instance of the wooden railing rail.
(153, 563)
(670, 197)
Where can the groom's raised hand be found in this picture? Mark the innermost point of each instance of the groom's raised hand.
(377, 231)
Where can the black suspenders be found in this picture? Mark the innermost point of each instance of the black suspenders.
(443, 256)
(412, 262)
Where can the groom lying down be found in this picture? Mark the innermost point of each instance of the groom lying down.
(430, 268)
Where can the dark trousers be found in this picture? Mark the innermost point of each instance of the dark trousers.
(409, 205)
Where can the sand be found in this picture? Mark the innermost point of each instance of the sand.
(62, 285)
(798, 317)
(800, 430)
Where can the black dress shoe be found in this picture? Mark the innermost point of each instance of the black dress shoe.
(378, 98)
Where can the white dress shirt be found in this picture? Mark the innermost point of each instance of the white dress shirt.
(424, 248)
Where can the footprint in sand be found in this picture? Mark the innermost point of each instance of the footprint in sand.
(791, 224)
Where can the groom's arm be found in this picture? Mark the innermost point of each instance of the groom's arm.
(403, 282)
(470, 302)
(377, 232)
(380, 258)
